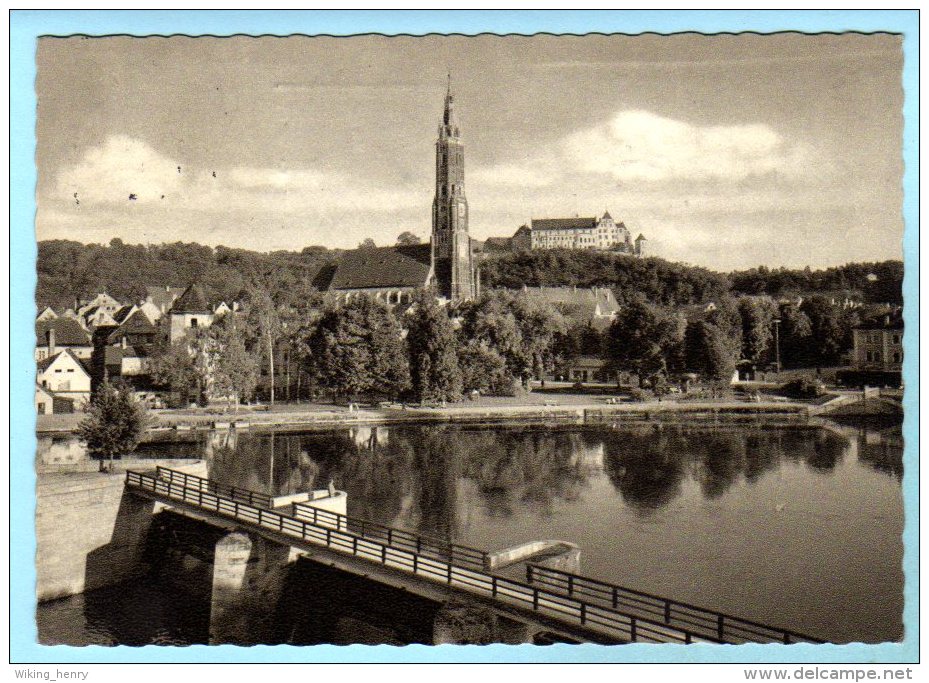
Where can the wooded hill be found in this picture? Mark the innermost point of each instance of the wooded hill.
(68, 270)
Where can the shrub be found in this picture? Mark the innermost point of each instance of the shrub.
(638, 395)
(803, 388)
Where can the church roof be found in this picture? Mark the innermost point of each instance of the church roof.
(400, 266)
(606, 215)
(564, 223)
(191, 301)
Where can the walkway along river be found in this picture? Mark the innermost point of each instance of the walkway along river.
(789, 525)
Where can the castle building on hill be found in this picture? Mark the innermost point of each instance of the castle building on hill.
(578, 233)
(446, 264)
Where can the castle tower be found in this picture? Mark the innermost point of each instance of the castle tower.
(451, 245)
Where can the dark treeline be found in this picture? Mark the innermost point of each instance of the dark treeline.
(68, 270)
(675, 284)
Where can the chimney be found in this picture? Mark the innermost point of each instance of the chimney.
(123, 341)
(50, 341)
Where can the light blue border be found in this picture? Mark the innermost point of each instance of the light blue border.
(25, 26)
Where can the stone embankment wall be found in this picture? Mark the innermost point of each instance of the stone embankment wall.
(90, 533)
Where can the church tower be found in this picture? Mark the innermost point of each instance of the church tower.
(451, 245)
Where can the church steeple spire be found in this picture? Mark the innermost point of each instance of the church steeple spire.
(451, 245)
(449, 120)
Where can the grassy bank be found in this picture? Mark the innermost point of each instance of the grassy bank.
(536, 405)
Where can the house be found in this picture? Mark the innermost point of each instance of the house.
(577, 233)
(102, 301)
(97, 316)
(189, 311)
(47, 313)
(696, 313)
(597, 306)
(877, 343)
(151, 311)
(47, 403)
(161, 298)
(124, 312)
(136, 330)
(62, 333)
(585, 369)
(64, 376)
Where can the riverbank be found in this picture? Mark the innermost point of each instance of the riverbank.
(531, 407)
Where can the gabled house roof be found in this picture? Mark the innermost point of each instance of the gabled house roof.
(68, 332)
(192, 300)
(46, 363)
(162, 296)
(124, 312)
(137, 323)
(892, 320)
(47, 313)
(595, 299)
(400, 266)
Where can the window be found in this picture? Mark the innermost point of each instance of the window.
(896, 356)
(57, 369)
(194, 322)
(70, 369)
(896, 339)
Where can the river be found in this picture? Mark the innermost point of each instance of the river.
(795, 526)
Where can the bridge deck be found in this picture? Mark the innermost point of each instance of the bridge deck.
(600, 612)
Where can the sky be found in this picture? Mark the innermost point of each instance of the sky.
(725, 151)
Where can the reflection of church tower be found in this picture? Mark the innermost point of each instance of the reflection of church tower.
(451, 245)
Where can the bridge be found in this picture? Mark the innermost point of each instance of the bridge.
(568, 605)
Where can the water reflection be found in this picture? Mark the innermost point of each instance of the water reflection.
(413, 475)
(763, 521)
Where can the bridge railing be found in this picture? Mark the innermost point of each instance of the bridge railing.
(400, 538)
(698, 620)
(462, 555)
(613, 625)
(192, 481)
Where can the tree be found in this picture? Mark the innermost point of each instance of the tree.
(389, 370)
(176, 368)
(264, 319)
(709, 352)
(827, 335)
(114, 423)
(235, 369)
(367, 243)
(522, 331)
(357, 349)
(795, 332)
(484, 370)
(407, 238)
(643, 338)
(432, 347)
(758, 315)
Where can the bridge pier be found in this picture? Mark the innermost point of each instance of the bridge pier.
(248, 578)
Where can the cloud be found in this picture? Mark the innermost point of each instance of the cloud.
(639, 145)
(122, 166)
